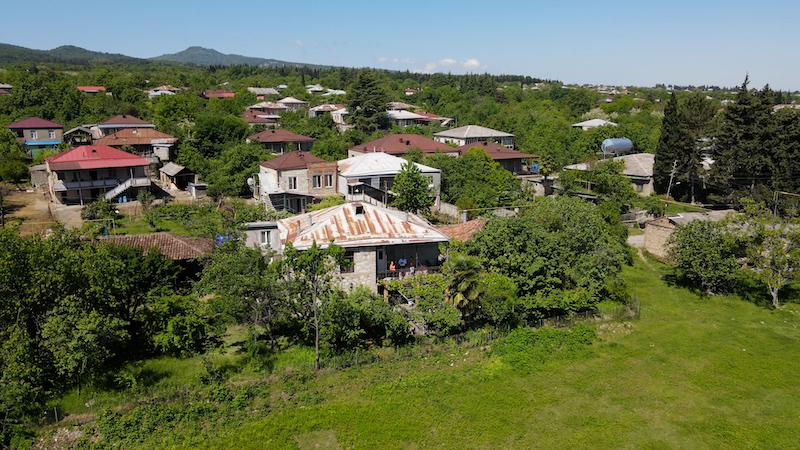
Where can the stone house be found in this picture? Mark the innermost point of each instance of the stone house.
(291, 181)
(470, 134)
(658, 231)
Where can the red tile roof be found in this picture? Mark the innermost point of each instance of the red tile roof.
(173, 246)
(279, 135)
(463, 231)
(124, 119)
(91, 88)
(94, 157)
(496, 151)
(134, 136)
(212, 93)
(33, 123)
(399, 144)
(292, 160)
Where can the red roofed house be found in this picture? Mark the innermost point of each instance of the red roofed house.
(146, 142)
(212, 93)
(279, 141)
(399, 144)
(291, 181)
(37, 134)
(89, 172)
(91, 89)
(511, 160)
(119, 122)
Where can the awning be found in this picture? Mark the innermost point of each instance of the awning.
(42, 142)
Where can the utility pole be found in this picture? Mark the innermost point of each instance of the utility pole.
(671, 177)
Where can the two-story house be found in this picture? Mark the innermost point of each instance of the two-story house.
(281, 141)
(146, 142)
(119, 123)
(89, 172)
(37, 134)
(291, 181)
(400, 144)
(370, 177)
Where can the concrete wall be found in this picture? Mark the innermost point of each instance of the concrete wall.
(656, 235)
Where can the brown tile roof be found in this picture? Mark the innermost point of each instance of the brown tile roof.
(33, 123)
(292, 160)
(173, 246)
(134, 136)
(496, 151)
(212, 93)
(279, 135)
(399, 144)
(257, 117)
(463, 231)
(125, 119)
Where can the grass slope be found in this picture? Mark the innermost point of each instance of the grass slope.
(693, 372)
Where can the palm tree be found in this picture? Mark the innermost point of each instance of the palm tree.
(463, 274)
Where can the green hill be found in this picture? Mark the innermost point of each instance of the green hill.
(64, 54)
(207, 57)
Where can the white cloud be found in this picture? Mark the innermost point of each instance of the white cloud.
(383, 59)
(471, 63)
(447, 62)
(430, 67)
(407, 61)
(395, 60)
(297, 43)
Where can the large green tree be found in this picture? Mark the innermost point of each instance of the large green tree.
(366, 102)
(411, 188)
(704, 253)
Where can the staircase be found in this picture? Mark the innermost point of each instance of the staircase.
(127, 184)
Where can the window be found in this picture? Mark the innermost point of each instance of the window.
(316, 181)
(349, 266)
(52, 134)
(264, 238)
(33, 134)
(328, 180)
(292, 183)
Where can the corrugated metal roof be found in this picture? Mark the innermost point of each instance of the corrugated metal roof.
(135, 136)
(472, 131)
(292, 160)
(172, 246)
(636, 165)
(399, 144)
(593, 123)
(125, 119)
(172, 169)
(291, 100)
(373, 164)
(354, 225)
(496, 151)
(279, 135)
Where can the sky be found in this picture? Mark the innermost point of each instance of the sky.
(616, 42)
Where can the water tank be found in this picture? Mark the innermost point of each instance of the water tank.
(617, 146)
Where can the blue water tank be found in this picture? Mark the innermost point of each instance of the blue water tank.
(617, 146)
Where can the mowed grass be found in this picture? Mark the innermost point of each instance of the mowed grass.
(694, 372)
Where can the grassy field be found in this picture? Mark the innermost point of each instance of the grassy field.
(694, 372)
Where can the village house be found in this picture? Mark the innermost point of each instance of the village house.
(78, 136)
(293, 180)
(89, 172)
(321, 110)
(403, 118)
(374, 239)
(370, 177)
(281, 141)
(254, 118)
(293, 104)
(262, 93)
(162, 90)
(37, 134)
(118, 123)
(470, 134)
(511, 160)
(400, 144)
(593, 123)
(638, 167)
(271, 108)
(217, 93)
(146, 142)
(93, 89)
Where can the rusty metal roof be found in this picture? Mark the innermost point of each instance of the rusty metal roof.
(353, 225)
(173, 246)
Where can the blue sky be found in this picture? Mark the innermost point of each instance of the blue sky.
(613, 42)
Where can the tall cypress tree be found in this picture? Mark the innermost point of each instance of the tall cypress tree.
(668, 144)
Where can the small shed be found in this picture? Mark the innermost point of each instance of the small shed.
(176, 176)
(198, 190)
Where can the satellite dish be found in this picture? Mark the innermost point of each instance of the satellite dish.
(251, 182)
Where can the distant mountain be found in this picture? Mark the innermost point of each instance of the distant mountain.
(64, 54)
(207, 57)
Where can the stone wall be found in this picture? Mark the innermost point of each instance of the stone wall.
(364, 270)
(656, 235)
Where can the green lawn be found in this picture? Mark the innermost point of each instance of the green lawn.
(693, 372)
